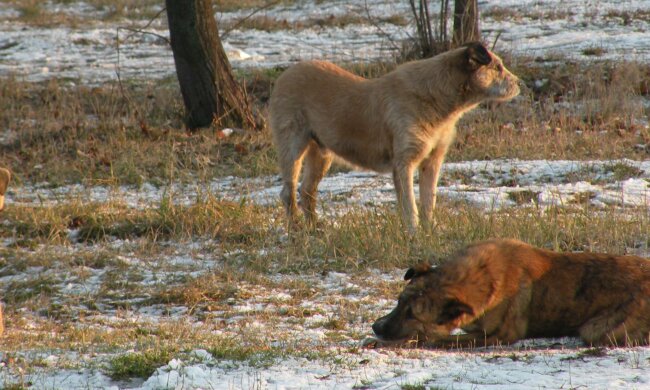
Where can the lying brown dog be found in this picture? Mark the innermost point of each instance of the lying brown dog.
(500, 291)
(397, 123)
(5, 177)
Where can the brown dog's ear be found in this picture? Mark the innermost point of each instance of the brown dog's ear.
(417, 270)
(452, 309)
(477, 55)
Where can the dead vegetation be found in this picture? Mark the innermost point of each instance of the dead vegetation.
(237, 254)
(114, 136)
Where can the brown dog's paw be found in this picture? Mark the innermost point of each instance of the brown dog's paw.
(374, 343)
(370, 343)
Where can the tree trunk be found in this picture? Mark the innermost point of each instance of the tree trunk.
(466, 27)
(209, 89)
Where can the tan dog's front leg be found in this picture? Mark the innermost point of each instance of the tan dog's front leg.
(403, 179)
(429, 175)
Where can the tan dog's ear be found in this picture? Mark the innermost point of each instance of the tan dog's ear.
(477, 55)
(417, 270)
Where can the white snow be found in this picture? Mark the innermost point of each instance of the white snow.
(88, 53)
(507, 368)
(493, 184)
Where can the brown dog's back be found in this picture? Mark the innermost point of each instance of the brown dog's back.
(500, 291)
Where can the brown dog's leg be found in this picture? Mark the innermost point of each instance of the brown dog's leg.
(614, 329)
(473, 340)
(429, 174)
(403, 179)
(317, 162)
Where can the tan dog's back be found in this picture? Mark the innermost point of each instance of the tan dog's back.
(325, 100)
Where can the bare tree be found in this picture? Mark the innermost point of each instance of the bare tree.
(466, 26)
(210, 91)
(432, 34)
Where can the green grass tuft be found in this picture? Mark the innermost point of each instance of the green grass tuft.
(138, 364)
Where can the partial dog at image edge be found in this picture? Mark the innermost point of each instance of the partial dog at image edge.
(400, 122)
(501, 291)
(5, 177)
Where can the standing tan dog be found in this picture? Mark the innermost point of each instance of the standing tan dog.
(500, 291)
(5, 177)
(399, 122)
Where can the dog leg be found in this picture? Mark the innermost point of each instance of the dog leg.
(291, 157)
(403, 179)
(429, 175)
(465, 341)
(317, 163)
(615, 329)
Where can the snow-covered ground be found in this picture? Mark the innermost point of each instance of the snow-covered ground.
(517, 368)
(88, 51)
(488, 184)
(535, 364)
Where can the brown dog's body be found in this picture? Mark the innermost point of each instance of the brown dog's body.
(5, 177)
(397, 123)
(501, 291)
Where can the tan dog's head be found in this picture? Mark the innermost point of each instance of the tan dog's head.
(424, 310)
(488, 78)
(5, 176)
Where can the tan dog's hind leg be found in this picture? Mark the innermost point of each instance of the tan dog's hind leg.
(317, 162)
(291, 155)
(429, 175)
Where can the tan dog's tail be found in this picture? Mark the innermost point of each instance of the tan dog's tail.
(5, 177)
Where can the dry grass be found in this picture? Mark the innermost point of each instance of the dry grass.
(366, 238)
(355, 243)
(103, 135)
(212, 307)
(106, 135)
(267, 23)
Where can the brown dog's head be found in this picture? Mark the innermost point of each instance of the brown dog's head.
(488, 78)
(5, 176)
(424, 311)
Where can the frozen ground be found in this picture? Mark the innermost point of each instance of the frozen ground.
(550, 364)
(88, 51)
(489, 184)
(518, 368)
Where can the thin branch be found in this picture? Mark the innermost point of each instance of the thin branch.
(227, 31)
(117, 44)
(376, 25)
(496, 39)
